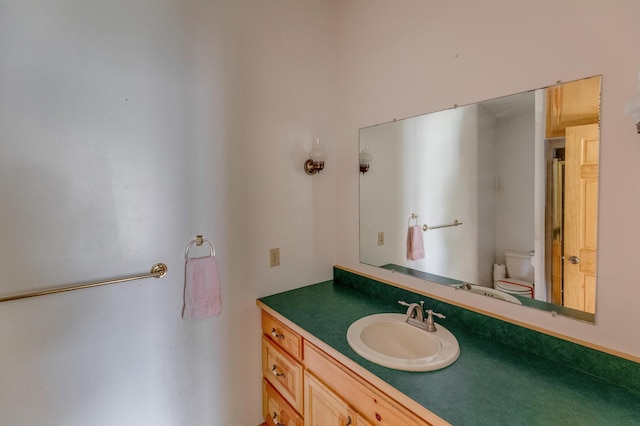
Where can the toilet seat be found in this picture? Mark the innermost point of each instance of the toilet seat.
(514, 286)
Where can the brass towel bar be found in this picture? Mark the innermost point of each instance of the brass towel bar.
(158, 270)
(425, 228)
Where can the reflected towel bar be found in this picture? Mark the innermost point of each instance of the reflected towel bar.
(158, 270)
(425, 228)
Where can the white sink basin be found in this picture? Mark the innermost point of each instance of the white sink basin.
(387, 340)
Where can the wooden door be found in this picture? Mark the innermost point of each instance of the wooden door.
(324, 408)
(554, 226)
(581, 217)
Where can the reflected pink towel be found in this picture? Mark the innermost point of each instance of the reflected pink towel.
(201, 288)
(415, 245)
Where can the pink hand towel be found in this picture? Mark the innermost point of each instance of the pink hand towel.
(415, 245)
(201, 288)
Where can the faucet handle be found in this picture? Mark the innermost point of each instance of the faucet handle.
(429, 324)
(403, 303)
(430, 314)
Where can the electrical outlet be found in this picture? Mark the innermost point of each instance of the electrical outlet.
(381, 238)
(274, 257)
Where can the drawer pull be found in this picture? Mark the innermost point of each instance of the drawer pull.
(276, 373)
(348, 421)
(276, 420)
(276, 335)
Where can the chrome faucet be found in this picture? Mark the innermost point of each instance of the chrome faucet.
(415, 316)
(414, 311)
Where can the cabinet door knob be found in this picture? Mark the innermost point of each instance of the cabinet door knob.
(276, 373)
(276, 420)
(276, 335)
(574, 260)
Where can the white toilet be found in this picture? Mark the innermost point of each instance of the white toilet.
(520, 274)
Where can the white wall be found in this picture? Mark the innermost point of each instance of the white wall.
(405, 58)
(126, 128)
(485, 223)
(380, 194)
(446, 191)
(428, 165)
(515, 150)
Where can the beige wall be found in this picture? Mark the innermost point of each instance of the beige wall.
(228, 96)
(401, 59)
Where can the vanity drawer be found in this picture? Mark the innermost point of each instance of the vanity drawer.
(283, 372)
(276, 410)
(370, 403)
(282, 336)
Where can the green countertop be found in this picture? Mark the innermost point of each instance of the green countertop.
(490, 383)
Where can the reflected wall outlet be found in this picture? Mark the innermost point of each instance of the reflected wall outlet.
(274, 257)
(380, 238)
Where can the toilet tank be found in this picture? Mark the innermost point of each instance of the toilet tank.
(519, 265)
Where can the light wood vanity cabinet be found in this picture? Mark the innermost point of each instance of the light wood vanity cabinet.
(572, 104)
(302, 385)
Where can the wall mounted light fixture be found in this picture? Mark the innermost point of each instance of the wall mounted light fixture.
(316, 161)
(365, 159)
(632, 107)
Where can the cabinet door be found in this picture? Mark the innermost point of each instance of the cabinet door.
(572, 104)
(324, 408)
(370, 402)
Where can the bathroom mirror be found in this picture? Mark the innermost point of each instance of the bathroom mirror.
(498, 198)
